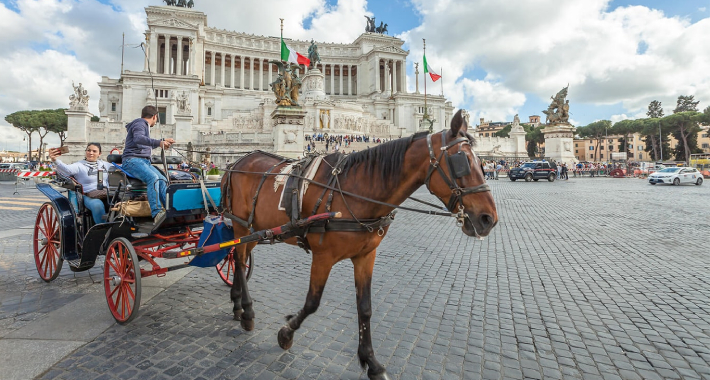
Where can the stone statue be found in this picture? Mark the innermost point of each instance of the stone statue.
(370, 27)
(180, 3)
(558, 110)
(80, 99)
(516, 120)
(382, 28)
(183, 104)
(284, 85)
(313, 55)
(416, 74)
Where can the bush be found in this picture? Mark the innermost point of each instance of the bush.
(213, 171)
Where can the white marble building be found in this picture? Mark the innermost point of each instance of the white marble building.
(212, 88)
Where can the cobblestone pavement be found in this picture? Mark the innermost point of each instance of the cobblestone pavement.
(584, 279)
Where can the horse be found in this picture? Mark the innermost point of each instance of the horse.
(403, 165)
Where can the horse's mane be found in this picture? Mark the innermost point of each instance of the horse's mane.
(387, 158)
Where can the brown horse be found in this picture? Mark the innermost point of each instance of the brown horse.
(403, 166)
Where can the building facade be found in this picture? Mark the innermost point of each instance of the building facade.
(211, 87)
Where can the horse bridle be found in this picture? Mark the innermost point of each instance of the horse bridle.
(457, 192)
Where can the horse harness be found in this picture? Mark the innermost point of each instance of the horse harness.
(459, 166)
(291, 200)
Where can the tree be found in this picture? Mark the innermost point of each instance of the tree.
(534, 138)
(595, 130)
(651, 130)
(40, 121)
(22, 121)
(505, 132)
(685, 127)
(686, 103)
(655, 110)
(626, 128)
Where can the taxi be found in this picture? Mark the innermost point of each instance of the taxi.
(676, 176)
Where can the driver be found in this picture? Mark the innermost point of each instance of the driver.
(136, 160)
(86, 173)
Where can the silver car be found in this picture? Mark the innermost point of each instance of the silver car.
(676, 176)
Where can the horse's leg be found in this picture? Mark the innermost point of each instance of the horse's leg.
(320, 270)
(362, 266)
(236, 293)
(247, 313)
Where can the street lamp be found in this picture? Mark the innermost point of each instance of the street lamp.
(660, 141)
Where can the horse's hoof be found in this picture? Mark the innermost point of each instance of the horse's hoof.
(285, 337)
(238, 315)
(381, 376)
(248, 324)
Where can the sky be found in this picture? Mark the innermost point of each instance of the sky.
(498, 58)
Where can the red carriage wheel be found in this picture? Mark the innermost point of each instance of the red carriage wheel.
(122, 280)
(47, 243)
(226, 267)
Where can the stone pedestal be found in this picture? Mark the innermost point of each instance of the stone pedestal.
(313, 85)
(183, 128)
(288, 124)
(517, 133)
(559, 143)
(77, 124)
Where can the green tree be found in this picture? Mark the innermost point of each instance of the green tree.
(595, 130)
(505, 132)
(40, 121)
(534, 138)
(22, 120)
(684, 127)
(652, 135)
(686, 103)
(655, 110)
(626, 128)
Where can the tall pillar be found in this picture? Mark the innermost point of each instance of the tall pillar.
(403, 76)
(166, 60)
(261, 74)
(154, 53)
(340, 77)
(221, 70)
(270, 74)
(332, 79)
(387, 77)
(232, 72)
(212, 68)
(251, 72)
(191, 52)
(178, 60)
(349, 80)
(241, 71)
(394, 76)
(377, 74)
(147, 52)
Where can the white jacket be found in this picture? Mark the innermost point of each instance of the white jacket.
(83, 173)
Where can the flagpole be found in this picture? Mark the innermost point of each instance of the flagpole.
(441, 70)
(426, 116)
(282, 38)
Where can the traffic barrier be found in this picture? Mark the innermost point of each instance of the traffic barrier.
(35, 174)
(9, 170)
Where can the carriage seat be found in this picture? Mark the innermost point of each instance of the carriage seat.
(116, 174)
(155, 160)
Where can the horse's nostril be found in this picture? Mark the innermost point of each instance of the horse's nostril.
(486, 220)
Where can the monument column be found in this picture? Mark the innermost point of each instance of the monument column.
(350, 80)
(212, 68)
(377, 74)
(387, 77)
(261, 74)
(166, 55)
(332, 79)
(394, 76)
(191, 52)
(241, 72)
(221, 70)
(251, 72)
(340, 77)
(154, 53)
(232, 71)
(178, 61)
(270, 73)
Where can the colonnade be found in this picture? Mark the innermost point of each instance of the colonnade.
(171, 54)
(340, 79)
(390, 76)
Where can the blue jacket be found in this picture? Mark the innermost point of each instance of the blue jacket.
(138, 141)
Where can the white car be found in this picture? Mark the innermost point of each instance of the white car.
(676, 176)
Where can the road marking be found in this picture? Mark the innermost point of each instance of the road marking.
(24, 199)
(14, 208)
(22, 203)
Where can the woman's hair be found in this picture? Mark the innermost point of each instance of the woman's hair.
(94, 144)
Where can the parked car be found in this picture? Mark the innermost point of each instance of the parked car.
(534, 171)
(676, 176)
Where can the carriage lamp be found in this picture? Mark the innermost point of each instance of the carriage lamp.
(100, 184)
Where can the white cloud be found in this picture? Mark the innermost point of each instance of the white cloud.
(492, 101)
(617, 118)
(539, 47)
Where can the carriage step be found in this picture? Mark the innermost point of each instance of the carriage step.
(74, 263)
(139, 235)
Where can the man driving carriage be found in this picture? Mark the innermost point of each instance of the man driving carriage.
(136, 160)
(85, 172)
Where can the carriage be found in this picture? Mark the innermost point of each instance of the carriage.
(65, 231)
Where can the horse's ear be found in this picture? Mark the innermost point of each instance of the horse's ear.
(458, 123)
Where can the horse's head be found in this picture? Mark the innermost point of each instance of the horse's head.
(456, 178)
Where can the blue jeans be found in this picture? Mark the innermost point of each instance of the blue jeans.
(97, 208)
(154, 180)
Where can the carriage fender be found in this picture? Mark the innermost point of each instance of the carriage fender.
(67, 221)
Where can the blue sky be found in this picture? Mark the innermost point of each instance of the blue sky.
(498, 58)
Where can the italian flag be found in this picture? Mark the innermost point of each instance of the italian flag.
(434, 76)
(290, 55)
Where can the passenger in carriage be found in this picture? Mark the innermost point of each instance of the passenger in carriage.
(136, 160)
(86, 173)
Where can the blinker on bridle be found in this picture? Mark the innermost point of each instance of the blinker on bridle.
(459, 166)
